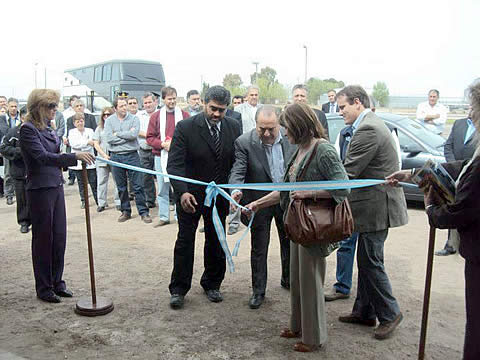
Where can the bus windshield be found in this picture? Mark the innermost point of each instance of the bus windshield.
(142, 72)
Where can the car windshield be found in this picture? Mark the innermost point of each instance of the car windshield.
(421, 132)
(143, 72)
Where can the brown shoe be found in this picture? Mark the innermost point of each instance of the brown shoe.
(124, 217)
(146, 219)
(335, 295)
(354, 319)
(289, 334)
(161, 223)
(384, 330)
(301, 347)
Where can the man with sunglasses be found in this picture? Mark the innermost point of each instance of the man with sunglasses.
(201, 149)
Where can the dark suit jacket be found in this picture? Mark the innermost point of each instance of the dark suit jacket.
(251, 164)
(235, 115)
(464, 214)
(372, 154)
(43, 160)
(326, 107)
(454, 148)
(323, 119)
(10, 149)
(192, 153)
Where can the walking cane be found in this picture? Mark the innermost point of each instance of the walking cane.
(426, 295)
(96, 305)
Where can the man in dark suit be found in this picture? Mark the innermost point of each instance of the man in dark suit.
(371, 154)
(331, 106)
(300, 94)
(201, 149)
(460, 145)
(261, 156)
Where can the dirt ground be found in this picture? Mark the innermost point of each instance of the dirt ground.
(133, 263)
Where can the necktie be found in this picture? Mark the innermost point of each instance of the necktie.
(345, 137)
(332, 108)
(216, 141)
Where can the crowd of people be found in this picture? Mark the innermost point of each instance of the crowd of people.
(213, 140)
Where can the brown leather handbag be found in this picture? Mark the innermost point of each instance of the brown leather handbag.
(317, 221)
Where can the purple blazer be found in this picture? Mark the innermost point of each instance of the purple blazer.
(42, 157)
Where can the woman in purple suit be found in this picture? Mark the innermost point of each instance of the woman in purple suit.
(40, 147)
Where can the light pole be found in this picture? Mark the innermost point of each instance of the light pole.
(305, 46)
(256, 70)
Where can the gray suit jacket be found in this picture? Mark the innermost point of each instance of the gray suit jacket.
(371, 154)
(251, 164)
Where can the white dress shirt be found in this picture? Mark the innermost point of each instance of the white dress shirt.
(425, 109)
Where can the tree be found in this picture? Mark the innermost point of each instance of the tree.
(317, 87)
(233, 83)
(270, 90)
(205, 87)
(381, 93)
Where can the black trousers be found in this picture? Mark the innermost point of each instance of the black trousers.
(23, 212)
(49, 237)
(92, 180)
(213, 255)
(471, 349)
(260, 237)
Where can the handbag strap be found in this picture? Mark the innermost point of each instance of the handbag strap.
(307, 164)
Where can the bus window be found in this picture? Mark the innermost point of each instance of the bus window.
(107, 72)
(98, 74)
(116, 72)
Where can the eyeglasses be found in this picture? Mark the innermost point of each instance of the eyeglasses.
(52, 106)
(132, 103)
(214, 109)
(106, 114)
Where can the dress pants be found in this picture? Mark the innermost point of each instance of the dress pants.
(374, 292)
(103, 173)
(163, 197)
(260, 237)
(471, 349)
(9, 183)
(213, 255)
(92, 180)
(135, 177)
(23, 211)
(49, 236)
(307, 300)
(147, 161)
(345, 257)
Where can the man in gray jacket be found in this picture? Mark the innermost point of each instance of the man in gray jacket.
(261, 156)
(121, 132)
(371, 154)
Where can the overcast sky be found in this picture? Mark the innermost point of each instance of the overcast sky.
(411, 45)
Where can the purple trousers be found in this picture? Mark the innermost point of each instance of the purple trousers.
(49, 235)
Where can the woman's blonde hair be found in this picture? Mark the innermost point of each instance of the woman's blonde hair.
(302, 123)
(101, 122)
(37, 106)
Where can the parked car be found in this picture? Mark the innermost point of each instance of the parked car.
(417, 143)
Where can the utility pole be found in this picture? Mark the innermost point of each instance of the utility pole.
(256, 70)
(305, 46)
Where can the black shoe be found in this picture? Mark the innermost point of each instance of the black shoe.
(24, 229)
(176, 301)
(131, 197)
(1, 195)
(71, 182)
(64, 293)
(445, 252)
(100, 208)
(214, 295)
(51, 298)
(256, 301)
(150, 205)
(9, 200)
(285, 284)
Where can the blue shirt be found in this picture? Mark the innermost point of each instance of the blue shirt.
(360, 117)
(275, 159)
(470, 130)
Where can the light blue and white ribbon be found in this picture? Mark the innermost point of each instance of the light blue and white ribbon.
(213, 190)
